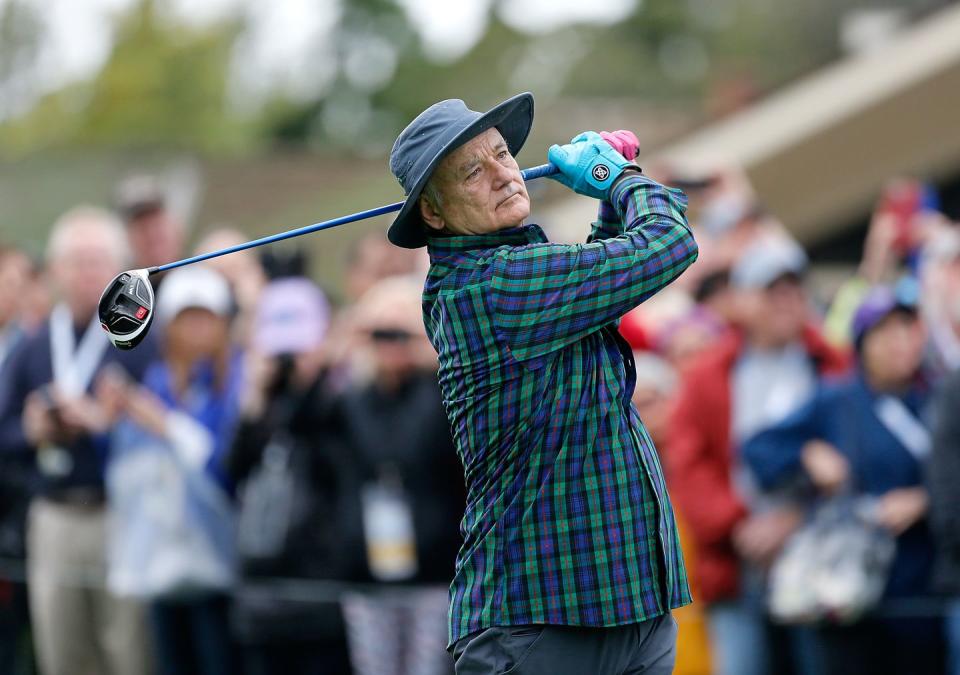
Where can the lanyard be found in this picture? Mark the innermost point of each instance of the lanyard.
(74, 365)
(8, 338)
(904, 425)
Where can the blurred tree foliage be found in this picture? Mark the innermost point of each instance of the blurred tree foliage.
(165, 83)
(20, 44)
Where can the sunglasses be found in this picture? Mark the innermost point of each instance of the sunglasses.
(390, 335)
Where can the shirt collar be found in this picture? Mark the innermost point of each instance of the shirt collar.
(441, 247)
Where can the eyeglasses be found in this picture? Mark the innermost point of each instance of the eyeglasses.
(390, 335)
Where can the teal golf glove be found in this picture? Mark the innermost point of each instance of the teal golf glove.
(588, 165)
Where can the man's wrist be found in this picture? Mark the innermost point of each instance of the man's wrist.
(623, 182)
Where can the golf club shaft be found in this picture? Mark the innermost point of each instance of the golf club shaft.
(528, 174)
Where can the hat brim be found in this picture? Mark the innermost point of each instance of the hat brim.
(513, 118)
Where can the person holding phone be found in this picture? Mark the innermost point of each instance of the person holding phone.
(171, 500)
(47, 414)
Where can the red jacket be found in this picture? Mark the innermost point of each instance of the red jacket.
(699, 459)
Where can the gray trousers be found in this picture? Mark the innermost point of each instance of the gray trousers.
(79, 627)
(648, 648)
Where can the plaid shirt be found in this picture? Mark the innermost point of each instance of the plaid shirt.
(567, 518)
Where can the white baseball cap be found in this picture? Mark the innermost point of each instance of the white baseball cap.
(193, 287)
(766, 260)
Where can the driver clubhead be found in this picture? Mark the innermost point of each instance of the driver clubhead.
(126, 309)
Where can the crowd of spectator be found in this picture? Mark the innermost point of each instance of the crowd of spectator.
(267, 484)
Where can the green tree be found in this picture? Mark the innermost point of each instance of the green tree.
(21, 35)
(164, 84)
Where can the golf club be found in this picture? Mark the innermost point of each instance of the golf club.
(126, 306)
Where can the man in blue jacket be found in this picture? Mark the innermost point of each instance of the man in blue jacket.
(47, 413)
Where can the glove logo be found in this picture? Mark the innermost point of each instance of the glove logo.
(601, 172)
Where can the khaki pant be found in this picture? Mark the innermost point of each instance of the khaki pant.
(79, 628)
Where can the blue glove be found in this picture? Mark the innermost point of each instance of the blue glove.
(588, 165)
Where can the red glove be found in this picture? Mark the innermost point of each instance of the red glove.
(624, 142)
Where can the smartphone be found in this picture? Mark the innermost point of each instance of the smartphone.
(903, 200)
(46, 393)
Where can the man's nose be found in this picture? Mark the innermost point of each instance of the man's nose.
(502, 175)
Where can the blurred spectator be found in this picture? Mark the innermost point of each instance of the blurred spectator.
(714, 294)
(682, 339)
(15, 272)
(15, 475)
(944, 477)
(46, 413)
(242, 270)
(35, 297)
(865, 435)
(372, 258)
(299, 514)
(940, 276)
(156, 235)
(653, 398)
(396, 433)
(170, 499)
(750, 380)
(906, 235)
(656, 386)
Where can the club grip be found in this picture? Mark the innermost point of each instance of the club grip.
(538, 171)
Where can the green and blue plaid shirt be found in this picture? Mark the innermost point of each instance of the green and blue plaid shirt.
(567, 519)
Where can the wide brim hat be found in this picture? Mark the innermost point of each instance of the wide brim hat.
(434, 134)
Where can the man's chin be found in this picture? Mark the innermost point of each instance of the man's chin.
(514, 210)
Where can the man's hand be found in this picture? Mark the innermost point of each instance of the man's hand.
(760, 537)
(827, 468)
(82, 415)
(588, 165)
(900, 509)
(260, 371)
(40, 425)
(147, 410)
(623, 141)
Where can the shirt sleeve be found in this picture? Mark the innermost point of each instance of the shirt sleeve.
(774, 455)
(546, 296)
(13, 393)
(607, 224)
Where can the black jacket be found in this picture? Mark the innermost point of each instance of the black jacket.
(407, 430)
(944, 480)
(28, 368)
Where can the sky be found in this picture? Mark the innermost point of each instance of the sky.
(276, 47)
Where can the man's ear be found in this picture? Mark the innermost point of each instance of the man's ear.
(431, 216)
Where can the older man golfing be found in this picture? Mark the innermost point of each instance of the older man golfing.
(570, 561)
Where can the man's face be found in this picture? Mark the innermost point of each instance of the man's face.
(481, 189)
(156, 238)
(84, 265)
(775, 316)
(14, 275)
(892, 351)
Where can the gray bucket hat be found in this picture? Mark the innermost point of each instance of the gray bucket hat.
(435, 133)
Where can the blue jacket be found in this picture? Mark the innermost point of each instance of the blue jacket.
(172, 525)
(215, 409)
(29, 367)
(842, 413)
